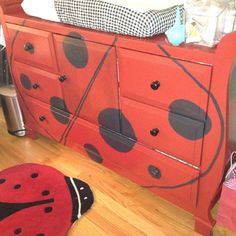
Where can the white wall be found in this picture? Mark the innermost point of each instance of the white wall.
(40, 8)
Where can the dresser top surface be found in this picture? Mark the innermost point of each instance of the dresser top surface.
(157, 45)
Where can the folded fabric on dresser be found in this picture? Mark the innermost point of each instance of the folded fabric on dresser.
(145, 5)
(109, 17)
(142, 18)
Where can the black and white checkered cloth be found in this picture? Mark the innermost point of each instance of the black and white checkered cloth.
(100, 15)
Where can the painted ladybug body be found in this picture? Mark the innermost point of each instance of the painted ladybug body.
(38, 200)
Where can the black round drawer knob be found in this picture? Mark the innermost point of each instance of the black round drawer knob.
(155, 85)
(42, 118)
(29, 47)
(35, 86)
(154, 132)
(62, 78)
(154, 172)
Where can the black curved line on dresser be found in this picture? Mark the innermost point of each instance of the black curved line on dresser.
(18, 90)
(222, 131)
(15, 36)
(86, 93)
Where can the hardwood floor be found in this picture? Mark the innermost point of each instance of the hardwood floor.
(120, 208)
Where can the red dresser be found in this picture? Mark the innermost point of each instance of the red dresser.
(156, 114)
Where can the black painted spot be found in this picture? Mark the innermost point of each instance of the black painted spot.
(58, 103)
(117, 141)
(109, 118)
(75, 50)
(188, 109)
(34, 175)
(40, 235)
(17, 186)
(93, 153)
(48, 209)
(17, 231)
(184, 126)
(25, 81)
(2, 181)
(59, 110)
(45, 193)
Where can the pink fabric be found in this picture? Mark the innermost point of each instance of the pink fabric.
(227, 207)
(231, 183)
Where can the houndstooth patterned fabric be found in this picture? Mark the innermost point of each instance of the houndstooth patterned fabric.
(99, 15)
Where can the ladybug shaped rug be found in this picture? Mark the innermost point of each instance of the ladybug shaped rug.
(38, 200)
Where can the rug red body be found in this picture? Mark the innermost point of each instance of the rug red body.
(39, 200)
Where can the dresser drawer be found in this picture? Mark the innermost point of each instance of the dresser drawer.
(142, 165)
(91, 85)
(31, 46)
(37, 83)
(171, 133)
(160, 82)
(44, 119)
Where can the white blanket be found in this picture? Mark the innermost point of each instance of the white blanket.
(45, 8)
(40, 8)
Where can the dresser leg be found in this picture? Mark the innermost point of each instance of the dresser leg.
(31, 134)
(204, 226)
